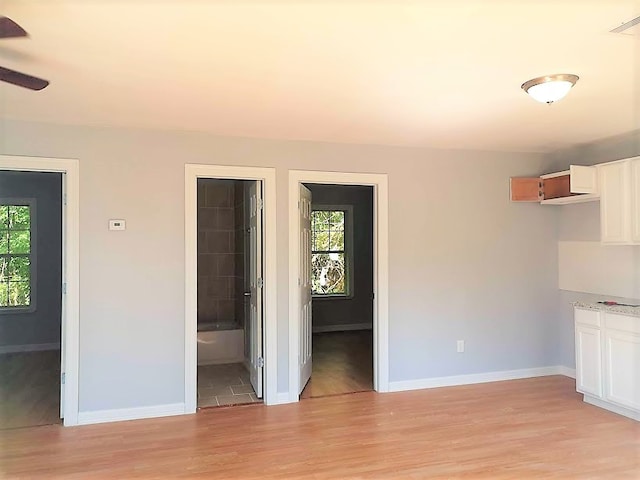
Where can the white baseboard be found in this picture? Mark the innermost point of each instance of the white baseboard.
(342, 328)
(282, 398)
(612, 407)
(567, 372)
(136, 413)
(32, 347)
(455, 380)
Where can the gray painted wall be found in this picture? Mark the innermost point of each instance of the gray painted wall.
(465, 263)
(359, 308)
(43, 325)
(581, 222)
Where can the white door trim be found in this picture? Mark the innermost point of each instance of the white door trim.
(380, 269)
(70, 352)
(268, 177)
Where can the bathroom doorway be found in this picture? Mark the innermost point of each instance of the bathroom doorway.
(229, 285)
(259, 337)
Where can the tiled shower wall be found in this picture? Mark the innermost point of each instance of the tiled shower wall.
(220, 251)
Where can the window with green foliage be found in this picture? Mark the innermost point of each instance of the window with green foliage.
(15, 256)
(329, 254)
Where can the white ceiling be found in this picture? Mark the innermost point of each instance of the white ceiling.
(443, 74)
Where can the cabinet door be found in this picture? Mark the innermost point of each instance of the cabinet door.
(525, 189)
(635, 201)
(622, 357)
(615, 202)
(583, 179)
(588, 361)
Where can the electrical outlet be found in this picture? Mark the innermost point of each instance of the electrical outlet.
(460, 346)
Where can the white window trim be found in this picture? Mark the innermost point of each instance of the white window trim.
(348, 250)
(33, 256)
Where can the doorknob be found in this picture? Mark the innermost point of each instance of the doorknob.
(247, 294)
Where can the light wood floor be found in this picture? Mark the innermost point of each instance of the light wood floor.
(522, 429)
(29, 389)
(342, 363)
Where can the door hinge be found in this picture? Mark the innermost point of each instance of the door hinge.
(260, 362)
(260, 204)
(63, 378)
(64, 288)
(260, 283)
(64, 199)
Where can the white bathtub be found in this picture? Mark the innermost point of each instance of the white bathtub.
(220, 346)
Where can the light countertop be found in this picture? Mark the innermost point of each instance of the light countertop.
(632, 311)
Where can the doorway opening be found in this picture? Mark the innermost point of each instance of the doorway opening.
(341, 278)
(67, 289)
(230, 299)
(230, 287)
(350, 352)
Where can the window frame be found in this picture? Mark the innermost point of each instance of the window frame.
(33, 257)
(348, 250)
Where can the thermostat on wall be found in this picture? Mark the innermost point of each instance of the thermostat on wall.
(117, 225)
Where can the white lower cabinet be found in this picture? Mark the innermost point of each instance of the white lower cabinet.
(608, 360)
(622, 352)
(588, 360)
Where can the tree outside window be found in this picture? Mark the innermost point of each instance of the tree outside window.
(15, 256)
(329, 262)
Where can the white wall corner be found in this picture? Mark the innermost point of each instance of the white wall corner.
(136, 413)
(455, 380)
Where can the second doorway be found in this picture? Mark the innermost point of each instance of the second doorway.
(339, 249)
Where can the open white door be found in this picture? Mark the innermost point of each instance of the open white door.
(304, 282)
(256, 362)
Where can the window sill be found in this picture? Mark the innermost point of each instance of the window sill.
(332, 297)
(16, 310)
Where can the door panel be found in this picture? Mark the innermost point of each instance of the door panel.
(623, 356)
(305, 363)
(588, 361)
(526, 189)
(255, 287)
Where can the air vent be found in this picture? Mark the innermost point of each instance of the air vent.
(632, 27)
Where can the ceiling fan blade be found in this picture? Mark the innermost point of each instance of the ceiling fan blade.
(10, 29)
(22, 79)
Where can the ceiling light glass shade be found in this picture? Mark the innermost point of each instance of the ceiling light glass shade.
(550, 88)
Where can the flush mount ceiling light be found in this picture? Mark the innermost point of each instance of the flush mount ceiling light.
(550, 88)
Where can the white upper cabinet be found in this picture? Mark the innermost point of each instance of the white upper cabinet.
(583, 179)
(618, 202)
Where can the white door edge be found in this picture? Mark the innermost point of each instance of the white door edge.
(380, 269)
(70, 344)
(268, 178)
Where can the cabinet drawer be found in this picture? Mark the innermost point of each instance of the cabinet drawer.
(587, 317)
(626, 323)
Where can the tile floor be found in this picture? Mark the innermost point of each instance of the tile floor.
(222, 385)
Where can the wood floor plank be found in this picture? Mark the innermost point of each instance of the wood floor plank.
(342, 363)
(534, 428)
(29, 389)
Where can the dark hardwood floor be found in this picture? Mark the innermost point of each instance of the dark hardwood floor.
(29, 389)
(521, 429)
(342, 363)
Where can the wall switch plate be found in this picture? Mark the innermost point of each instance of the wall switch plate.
(460, 346)
(117, 225)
